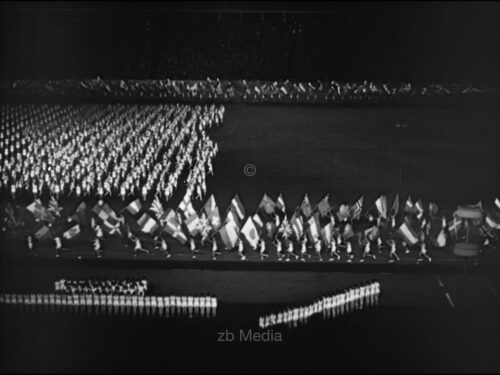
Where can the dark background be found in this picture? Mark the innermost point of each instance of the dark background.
(404, 41)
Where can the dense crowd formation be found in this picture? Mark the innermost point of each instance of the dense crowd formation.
(162, 306)
(283, 91)
(103, 150)
(349, 300)
(126, 287)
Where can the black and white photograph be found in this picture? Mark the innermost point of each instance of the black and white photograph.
(249, 187)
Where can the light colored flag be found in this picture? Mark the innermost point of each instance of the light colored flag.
(40, 212)
(326, 233)
(312, 229)
(54, 206)
(157, 208)
(42, 233)
(147, 224)
(186, 206)
(267, 204)
(409, 235)
(229, 234)
(280, 203)
(305, 207)
(173, 227)
(193, 225)
(134, 207)
(251, 233)
(72, 232)
(409, 205)
(381, 204)
(324, 206)
(258, 221)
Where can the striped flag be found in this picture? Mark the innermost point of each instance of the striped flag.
(72, 232)
(251, 233)
(356, 208)
(237, 207)
(134, 207)
(409, 234)
(297, 226)
(147, 224)
(258, 222)
(280, 203)
(419, 206)
(381, 204)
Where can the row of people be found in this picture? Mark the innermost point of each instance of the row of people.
(349, 300)
(126, 287)
(241, 90)
(168, 306)
(101, 150)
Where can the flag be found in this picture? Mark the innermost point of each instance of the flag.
(297, 226)
(372, 233)
(283, 90)
(79, 215)
(106, 214)
(237, 207)
(280, 203)
(42, 233)
(231, 217)
(186, 206)
(326, 233)
(395, 206)
(147, 224)
(492, 220)
(251, 233)
(409, 205)
(324, 207)
(454, 226)
(381, 204)
(343, 213)
(157, 208)
(258, 222)
(40, 212)
(193, 225)
(419, 207)
(409, 234)
(312, 229)
(229, 234)
(212, 212)
(305, 207)
(355, 210)
(173, 227)
(267, 204)
(54, 207)
(134, 207)
(72, 232)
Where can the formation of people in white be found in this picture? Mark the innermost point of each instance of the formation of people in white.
(238, 90)
(89, 150)
(351, 299)
(96, 300)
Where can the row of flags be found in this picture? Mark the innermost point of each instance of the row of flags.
(270, 219)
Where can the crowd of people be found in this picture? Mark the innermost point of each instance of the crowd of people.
(283, 91)
(126, 287)
(102, 150)
(351, 299)
(162, 306)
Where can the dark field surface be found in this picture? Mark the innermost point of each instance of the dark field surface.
(450, 155)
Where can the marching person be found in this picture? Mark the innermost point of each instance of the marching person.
(333, 250)
(290, 252)
(422, 254)
(317, 248)
(138, 246)
(303, 249)
(262, 249)
(393, 255)
(192, 246)
(241, 250)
